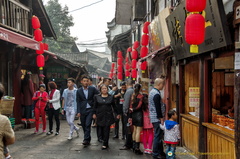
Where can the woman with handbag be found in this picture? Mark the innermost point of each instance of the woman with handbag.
(136, 112)
(103, 111)
(41, 98)
(54, 107)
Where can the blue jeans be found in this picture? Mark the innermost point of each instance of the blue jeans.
(170, 152)
(158, 140)
(86, 121)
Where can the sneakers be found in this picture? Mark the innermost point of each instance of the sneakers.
(69, 137)
(148, 151)
(44, 131)
(57, 133)
(50, 132)
(36, 131)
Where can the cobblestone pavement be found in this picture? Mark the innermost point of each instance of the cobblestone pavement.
(39, 146)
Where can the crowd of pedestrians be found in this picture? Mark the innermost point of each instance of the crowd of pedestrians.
(142, 116)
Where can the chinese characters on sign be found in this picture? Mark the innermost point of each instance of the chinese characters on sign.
(194, 96)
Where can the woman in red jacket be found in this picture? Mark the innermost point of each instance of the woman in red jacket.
(41, 98)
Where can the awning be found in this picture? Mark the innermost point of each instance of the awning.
(161, 50)
(15, 38)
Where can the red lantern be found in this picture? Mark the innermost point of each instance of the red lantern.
(119, 54)
(40, 61)
(126, 59)
(38, 36)
(113, 65)
(45, 46)
(119, 61)
(135, 45)
(41, 48)
(145, 39)
(134, 63)
(144, 51)
(134, 54)
(129, 49)
(127, 73)
(35, 22)
(110, 75)
(127, 66)
(120, 69)
(194, 31)
(134, 74)
(143, 66)
(145, 27)
(120, 77)
(195, 6)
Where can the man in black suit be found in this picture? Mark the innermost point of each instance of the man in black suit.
(85, 102)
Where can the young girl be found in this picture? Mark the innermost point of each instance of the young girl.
(147, 127)
(41, 98)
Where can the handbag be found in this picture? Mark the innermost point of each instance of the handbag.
(46, 107)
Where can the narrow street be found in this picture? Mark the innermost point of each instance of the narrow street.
(38, 146)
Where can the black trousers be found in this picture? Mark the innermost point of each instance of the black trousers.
(86, 121)
(28, 111)
(128, 132)
(105, 131)
(117, 126)
(99, 133)
(52, 112)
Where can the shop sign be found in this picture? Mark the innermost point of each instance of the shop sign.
(217, 35)
(194, 96)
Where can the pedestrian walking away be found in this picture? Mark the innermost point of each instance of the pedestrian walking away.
(104, 110)
(69, 105)
(41, 98)
(54, 107)
(85, 96)
(157, 113)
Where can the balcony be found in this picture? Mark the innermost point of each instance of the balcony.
(15, 15)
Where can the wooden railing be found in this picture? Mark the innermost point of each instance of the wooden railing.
(15, 15)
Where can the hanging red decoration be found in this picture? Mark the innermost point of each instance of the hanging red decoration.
(135, 45)
(129, 49)
(134, 54)
(120, 77)
(35, 22)
(119, 54)
(38, 36)
(127, 66)
(134, 74)
(195, 5)
(145, 27)
(134, 63)
(144, 51)
(127, 73)
(45, 46)
(110, 75)
(143, 66)
(126, 59)
(41, 48)
(194, 31)
(119, 61)
(120, 68)
(40, 61)
(113, 65)
(145, 39)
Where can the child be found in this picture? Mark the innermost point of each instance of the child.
(41, 98)
(171, 134)
(147, 127)
(8, 136)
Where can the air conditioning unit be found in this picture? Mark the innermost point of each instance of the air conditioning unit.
(139, 10)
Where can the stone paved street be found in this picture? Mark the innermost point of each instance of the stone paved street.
(39, 146)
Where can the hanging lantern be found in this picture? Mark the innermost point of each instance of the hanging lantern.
(41, 48)
(134, 63)
(194, 31)
(113, 65)
(144, 51)
(119, 61)
(127, 66)
(145, 27)
(110, 75)
(120, 77)
(120, 69)
(134, 74)
(127, 73)
(145, 39)
(40, 61)
(195, 5)
(126, 59)
(143, 66)
(38, 36)
(35, 22)
(45, 46)
(134, 54)
(119, 54)
(129, 49)
(135, 45)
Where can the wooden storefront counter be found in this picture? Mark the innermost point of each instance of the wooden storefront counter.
(190, 132)
(220, 142)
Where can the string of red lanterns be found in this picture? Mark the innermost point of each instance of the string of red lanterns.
(134, 56)
(127, 65)
(111, 71)
(120, 65)
(144, 48)
(195, 24)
